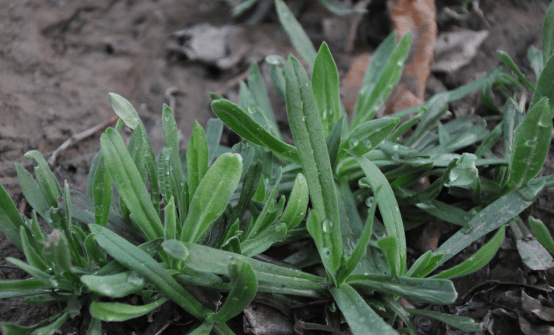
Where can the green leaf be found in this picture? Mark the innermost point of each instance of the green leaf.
(369, 135)
(298, 37)
(388, 206)
(333, 141)
(389, 245)
(508, 124)
(10, 220)
(243, 124)
(437, 107)
(325, 85)
(205, 259)
(244, 286)
(171, 135)
(102, 193)
(297, 203)
(114, 286)
(51, 328)
(381, 77)
(361, 246)
(531, 141)
(334, 8)
(358, 314)
(541, 233)
(256, 85)
(533, 254)
(212, 196)
(13, 329)
(487, 220)
(278, 79)
(205, 328)
(56, 251)
(197, 157)
(249, 186)
(145, 266)
(307, 132)
(129, 184)
(321, 233)
(545, 83)
(464, 173)
(124, 110)
(456, 321)
(115, 311)
(170, 220)
(92, 172)
(433, 291)
(548, 33)
(44, 277)
(32, 193)
(167, 181)
(478, 260)
(506, 59)
(536, 58)
(264, 240)
(48, 184)
(214, 129)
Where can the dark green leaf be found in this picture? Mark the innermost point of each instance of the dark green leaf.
(456, 321)
(48, 184)
(243, 124)
(129, 184)
(244, 286)
(307, 132)
(531, 141)
(102, 193)
(548, 33)
(433, 291)
(56, 251)
(478, 260)
(135, 259)
(506, 59)
(297, 203)
(10, 220)
(214, 129)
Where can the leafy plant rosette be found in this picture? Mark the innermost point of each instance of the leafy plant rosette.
(190, 228)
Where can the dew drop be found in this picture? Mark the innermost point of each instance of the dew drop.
(327, 226)
(354, 142)
(100, 186)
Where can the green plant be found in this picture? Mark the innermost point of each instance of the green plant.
(186, 227)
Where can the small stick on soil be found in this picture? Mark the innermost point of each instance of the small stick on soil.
(22, 206)
(229, 85)
(168, 324)
(170, 94)
(78, 137)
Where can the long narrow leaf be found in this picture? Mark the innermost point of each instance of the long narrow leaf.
(116, 311)
(307, 132)
(325, 84)
(388, 207)
(243, 124)
(137, 260)
(212, 196)
(197, 157)
(129, 183)
(361, 319)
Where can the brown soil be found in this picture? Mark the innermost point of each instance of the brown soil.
(60, 59)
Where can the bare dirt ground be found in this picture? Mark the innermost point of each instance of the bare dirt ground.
(59, 59)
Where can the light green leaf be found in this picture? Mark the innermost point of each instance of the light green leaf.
(548, 33)
(358, 314)
(297, 203)
(102, 193)
(456, 321)
(48, 184)
(212, 196)
(197, 157)
(541, 233)
(298, 37)
(124, 110)
(10, 220)
(325, 85)
(114, 286)
(116, 311)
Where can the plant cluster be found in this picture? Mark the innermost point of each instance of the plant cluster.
(187, 228)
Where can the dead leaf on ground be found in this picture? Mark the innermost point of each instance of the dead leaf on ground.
(456, 49)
